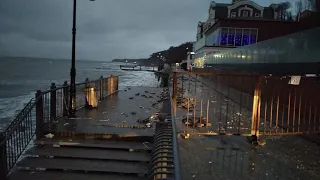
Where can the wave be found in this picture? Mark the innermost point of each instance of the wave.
(10, 107)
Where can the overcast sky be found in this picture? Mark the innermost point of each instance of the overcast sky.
(106, 29)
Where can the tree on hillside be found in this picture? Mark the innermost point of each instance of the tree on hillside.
(283, 8)
(174, 54)
(302, 5)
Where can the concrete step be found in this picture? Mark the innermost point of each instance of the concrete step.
(54, 175)
(106, 136)
(93, 154)
(96, 143)
(83, 165)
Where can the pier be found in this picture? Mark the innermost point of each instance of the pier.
(134, 67)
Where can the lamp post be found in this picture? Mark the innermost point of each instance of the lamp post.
(72, 101)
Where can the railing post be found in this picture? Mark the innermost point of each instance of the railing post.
(65, 98)
(255, 124)
(117, 83)
(111, 84)
(39, 115)
(101, 88)
(53, 102)
(3, 157)
(87, 92)
(174, 93)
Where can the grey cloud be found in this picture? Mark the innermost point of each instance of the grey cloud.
(106, 29)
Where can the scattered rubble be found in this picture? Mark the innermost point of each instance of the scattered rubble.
(199, 121)
(184, 103)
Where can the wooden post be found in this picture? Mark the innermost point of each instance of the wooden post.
(3, 157)
(65, 98)
(53, 102)
(101, 88)
(39, 115)
(255, 124)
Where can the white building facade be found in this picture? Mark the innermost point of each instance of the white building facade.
(214, 37)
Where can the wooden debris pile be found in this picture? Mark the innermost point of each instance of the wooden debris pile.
(184, 103)
(196, 121)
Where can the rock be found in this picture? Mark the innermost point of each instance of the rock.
(262, 142)
(146, 91)
(56, 145)
(137, 94)
(130, 97)
(148, 125)
(49, 136)
(133, 113)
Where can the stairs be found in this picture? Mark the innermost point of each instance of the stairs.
(62, 159)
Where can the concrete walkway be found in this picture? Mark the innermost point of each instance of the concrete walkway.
(110, 142)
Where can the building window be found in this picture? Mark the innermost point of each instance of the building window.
(231, 37)
(246, 37)
(224, 37)
(245, 13)
(253, 36)
(238, 37)
(257, 15)
(233, 14)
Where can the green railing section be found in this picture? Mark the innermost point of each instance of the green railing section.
(43, 111)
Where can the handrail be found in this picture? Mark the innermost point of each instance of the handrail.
(15, 123)
(175, 144)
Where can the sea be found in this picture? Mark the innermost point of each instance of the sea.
(20, 78)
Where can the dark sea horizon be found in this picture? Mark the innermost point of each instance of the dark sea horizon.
(21, 77)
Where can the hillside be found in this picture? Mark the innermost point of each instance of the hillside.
(172, 55)
(175, 54)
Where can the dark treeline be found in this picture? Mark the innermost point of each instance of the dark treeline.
(174, 54)
(171, 55)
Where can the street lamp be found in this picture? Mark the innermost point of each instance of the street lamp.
(72, 101)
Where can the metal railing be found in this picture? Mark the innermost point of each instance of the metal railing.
(244, 104)
(165, 161)
(41, 113)
(162, 156)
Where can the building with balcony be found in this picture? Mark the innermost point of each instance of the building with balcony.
(236, 24)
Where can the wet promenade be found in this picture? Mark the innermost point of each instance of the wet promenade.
(112, 141)
(115, 141)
